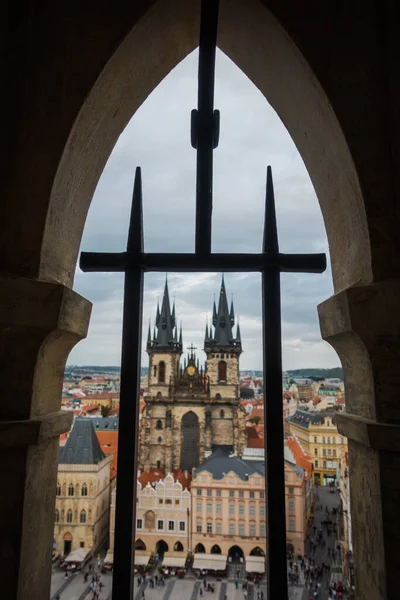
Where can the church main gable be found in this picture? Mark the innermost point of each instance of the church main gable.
(190, 409)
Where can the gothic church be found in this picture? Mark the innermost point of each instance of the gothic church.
(190, 410)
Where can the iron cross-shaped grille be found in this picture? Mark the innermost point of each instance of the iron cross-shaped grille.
(134, 262)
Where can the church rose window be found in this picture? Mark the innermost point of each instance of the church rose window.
(134, 262)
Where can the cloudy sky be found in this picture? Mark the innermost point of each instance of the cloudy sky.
(158, 139)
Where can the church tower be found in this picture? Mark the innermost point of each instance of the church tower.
(223, 350)
(164, 351)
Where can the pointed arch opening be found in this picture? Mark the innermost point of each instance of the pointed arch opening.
(178, 547)
(216, 549)
(161, 372)
(140, 545)
(190, 436)
(199, 549)
(222, 371)
(257, 551)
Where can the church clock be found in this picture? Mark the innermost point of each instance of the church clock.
(191, 370)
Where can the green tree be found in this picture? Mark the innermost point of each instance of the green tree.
(255, 420)
(105, 411)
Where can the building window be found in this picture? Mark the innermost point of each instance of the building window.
(262, 531)
(241, 494)
(324, 452)
(161, 372)
(158, 464)
(219, 493)
(209, 508)
(69, 516)
(241, 509)
(291, 506)
(315, 439)
(315, 451)
(199, 492)
(329, 452)
(252, 530)
(328, 423)
(333, 440)
(82, 517)
(324, 464)
(262, 495)
(159, 424)
(171, 525)
(252, 510)
(139, 523)
(241, 529)
(329, 440)
(182, 526)
(291, 490)
(219, 528)
(198, 528)
(262, 510)
(222, 371)
(159, 439)
(70, 490)
(198, 507)
(209, 492)
(231, 509)
(292, 525)
(57, 516)
(323, 440)
(209, 527)
(58, 490)
(168, 501)
(84, 489)
(231, 494)
(231, 529)
(342, 440)
(252, 495)
(160, 525)
(219, 508)
(334, 452)
(221, 414)
(316, 464)
(160, 501)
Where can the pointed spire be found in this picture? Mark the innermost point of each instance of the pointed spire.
(214, 318)
(173, 314)
(270, 241)
(206, 337)
(165, 320)
(180, 336)
(158, 312)
(149, 336)
(135, 235)
(232, 313)
(238, 336)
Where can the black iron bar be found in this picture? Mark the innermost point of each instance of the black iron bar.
(125, 515)
(119, 262)
(273, 411)
(205, 125)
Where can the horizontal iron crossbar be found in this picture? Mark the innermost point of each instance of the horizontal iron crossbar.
(123, 261)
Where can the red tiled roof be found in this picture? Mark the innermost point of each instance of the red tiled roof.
(103, 395)
(108, 440)
(301, 458)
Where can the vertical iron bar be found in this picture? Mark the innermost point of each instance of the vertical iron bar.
(125, 515)
(205, 125)
(273, 410)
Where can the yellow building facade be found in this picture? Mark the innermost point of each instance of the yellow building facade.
(319, 437)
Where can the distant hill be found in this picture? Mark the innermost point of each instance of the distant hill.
(93, 369)
(336, 372)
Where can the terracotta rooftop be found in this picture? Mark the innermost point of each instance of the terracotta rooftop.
(302, 459)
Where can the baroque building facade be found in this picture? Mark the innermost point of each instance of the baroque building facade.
(189, 410)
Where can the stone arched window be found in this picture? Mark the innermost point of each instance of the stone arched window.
(84, 489)
(58, 490)
(155, 370)
(90, 515)
(159, 424)
(71, 490)
(91, 489)
(57, 516)
(159, 439)
(82, 516)
(221, 414)
(161, 372)
(222, 371)
(69, 516)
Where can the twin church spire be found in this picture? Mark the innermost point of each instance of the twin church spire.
(223, 321)
(166, 330)
(218, 335)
